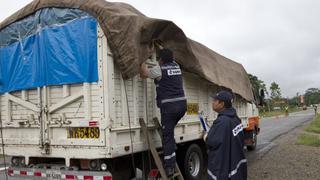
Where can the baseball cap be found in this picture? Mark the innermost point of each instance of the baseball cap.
(224, 96)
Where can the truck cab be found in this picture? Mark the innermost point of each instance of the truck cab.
(251, 127)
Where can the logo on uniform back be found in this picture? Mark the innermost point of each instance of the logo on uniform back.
(174, 72)
(237, 129)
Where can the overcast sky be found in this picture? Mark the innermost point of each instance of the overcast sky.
(277, 40)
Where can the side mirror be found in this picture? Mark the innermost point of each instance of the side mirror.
(261, 97)
(261, 93)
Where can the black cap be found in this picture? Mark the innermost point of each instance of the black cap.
(166, 55)
(224, 96)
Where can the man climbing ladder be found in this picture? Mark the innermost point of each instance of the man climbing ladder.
(170, 99)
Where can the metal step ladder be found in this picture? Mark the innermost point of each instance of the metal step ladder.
(177, 174)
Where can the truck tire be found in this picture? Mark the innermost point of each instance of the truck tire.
(192, 166)
(253, 146)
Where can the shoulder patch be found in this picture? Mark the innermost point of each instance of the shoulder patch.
(237, 129)
(173, 72)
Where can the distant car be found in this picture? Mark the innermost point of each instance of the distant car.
(304, 107)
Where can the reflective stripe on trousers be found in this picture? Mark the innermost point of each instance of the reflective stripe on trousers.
(170, 156)
(233, 172)
(173, 99)
(171, 113)
(211, 175)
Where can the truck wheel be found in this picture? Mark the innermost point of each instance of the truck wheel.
(254, 141)
(193, 163)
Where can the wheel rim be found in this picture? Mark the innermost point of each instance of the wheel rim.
(194, 164)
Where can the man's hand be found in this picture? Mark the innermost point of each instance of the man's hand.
(143, 70)
(158, 44)
(204, 136)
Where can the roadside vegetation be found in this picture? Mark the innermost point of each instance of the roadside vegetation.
(311, 135)
(278, 112)
(271, 102)
(314, 126)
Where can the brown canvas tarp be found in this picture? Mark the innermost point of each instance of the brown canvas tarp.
(131, 34)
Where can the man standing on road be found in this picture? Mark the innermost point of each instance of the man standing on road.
(315, 107)
(170, 99)
(286, 110)
(225, 142)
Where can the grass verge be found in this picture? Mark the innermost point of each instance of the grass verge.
(312, 138)
(314, 126)
(278, 112)
(309, 140)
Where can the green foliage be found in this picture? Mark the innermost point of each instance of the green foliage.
(309, 140)
(273, 113)
(312, 96)
(314, 127)
(313, 137)
(275, 91)
(257, 84)
(295, 101)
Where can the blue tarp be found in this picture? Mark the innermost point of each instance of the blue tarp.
(55, 54)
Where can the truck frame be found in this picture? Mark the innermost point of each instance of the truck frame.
(92, 130)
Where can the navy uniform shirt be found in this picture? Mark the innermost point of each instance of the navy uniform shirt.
(169, 83)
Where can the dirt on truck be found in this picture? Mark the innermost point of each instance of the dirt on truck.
(71, 99)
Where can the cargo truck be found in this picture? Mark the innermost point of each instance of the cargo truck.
(68, 111)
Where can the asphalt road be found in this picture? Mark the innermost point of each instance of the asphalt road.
(271, 128)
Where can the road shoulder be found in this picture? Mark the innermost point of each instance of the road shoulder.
(287, 160)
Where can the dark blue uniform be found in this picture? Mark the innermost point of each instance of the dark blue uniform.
(225, 143)
(172, 103)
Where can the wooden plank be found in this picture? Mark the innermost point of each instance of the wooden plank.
(153, 150)
(179, 175)
(158, 127)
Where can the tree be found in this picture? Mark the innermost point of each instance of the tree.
(294, 101)
(275, 91)
(312, 96)
(257, 84)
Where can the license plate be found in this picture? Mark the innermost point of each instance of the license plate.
(51, 174)
(192, 108)
(83, 133)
